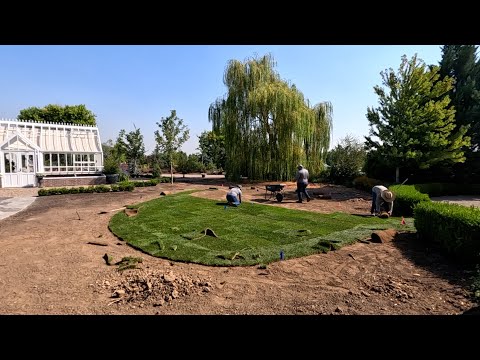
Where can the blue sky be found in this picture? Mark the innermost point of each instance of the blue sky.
(126, 85)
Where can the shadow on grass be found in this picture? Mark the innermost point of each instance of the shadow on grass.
(226, 204)
(363, 215)
(431, 258)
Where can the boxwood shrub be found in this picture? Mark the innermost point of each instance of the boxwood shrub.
(406, 198)
(456, 228)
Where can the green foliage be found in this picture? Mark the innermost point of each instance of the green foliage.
(152, 182)
(246, 235)
(172, 134)
(445, 189)
(111, 166)
(181, 161)
(43, 192)
(461, 63)
(365, 183)
(188, 164)
(454, 227)
(268, 125)
(76, 114)
(407, 198)
(132, 147)
(111, 150)
(126, 186)
(322, 177)
(89, 189)
(102, 188)
(212, 148)
(414, 125)
(346, 160)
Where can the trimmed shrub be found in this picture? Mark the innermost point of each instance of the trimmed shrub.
(454, 227)
(126, 186)
(406, 199)
(365, 183)
(102, 188)
(43, 192)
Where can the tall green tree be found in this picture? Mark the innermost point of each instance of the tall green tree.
(131, 145)
(70, 114)
(414, 124)
(461, 63)
(269, 127)
(172, 134)
(346, 160)
(212, 148)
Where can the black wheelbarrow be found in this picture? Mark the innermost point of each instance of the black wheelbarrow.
(274, 191)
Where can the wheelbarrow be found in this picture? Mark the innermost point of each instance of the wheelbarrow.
(275, 191)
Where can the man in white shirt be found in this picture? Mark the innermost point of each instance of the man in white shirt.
(382, 199)
(234, 195)
(302, 183)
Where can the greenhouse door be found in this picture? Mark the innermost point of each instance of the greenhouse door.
(20, 168)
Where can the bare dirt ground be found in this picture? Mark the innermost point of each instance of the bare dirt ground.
(47, 266)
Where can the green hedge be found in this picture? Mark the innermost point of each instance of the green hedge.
(406, 198)
(454, 227)
(152, 182)
(445, 189)
(123, 186)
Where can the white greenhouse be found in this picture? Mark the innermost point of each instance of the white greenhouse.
(49, 154)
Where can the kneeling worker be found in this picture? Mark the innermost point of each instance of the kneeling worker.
(234, 195)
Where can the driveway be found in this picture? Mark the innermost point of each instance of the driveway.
(466, 200)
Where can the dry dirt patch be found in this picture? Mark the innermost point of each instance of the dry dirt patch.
(47, 266)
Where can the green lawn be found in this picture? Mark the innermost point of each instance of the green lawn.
(172, 227)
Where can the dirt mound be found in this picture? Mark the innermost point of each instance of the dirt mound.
(152, 288)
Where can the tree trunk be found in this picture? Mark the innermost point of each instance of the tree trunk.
(397, 175)
(171, 171)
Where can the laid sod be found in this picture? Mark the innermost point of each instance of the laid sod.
(186, 228)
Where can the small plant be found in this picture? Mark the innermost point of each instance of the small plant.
(110, 166)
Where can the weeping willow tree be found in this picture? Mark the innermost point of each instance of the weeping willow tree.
(269, 127)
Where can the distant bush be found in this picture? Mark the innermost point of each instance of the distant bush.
(365, 183)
